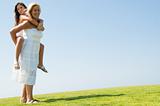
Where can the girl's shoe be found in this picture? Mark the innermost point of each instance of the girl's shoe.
(43, 69)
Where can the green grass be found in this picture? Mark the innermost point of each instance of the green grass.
(120, 96)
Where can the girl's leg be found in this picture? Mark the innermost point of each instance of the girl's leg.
(23, 98)
(18, 48)
(14, 38)
(41, 52)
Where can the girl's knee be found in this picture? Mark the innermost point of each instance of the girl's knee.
(20, 39)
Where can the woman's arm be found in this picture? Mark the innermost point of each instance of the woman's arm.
(19, 27)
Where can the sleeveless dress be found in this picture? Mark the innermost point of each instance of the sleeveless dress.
(29, 57)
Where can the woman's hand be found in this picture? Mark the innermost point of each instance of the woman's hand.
(40, 26)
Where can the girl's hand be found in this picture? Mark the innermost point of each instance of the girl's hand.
(41, 21)
(30, 19)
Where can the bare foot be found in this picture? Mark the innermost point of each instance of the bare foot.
(16, 66)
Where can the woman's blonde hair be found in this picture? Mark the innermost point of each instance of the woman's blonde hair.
(30, 8)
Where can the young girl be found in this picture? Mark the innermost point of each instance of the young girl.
(20, 16)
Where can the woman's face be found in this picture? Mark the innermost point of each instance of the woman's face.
(35, 12)
(21, 9)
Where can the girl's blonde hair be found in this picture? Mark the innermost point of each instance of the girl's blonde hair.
(30, 8)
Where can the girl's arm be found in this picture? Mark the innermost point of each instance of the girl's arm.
(26, 18)
(21, 26)
(38, 24)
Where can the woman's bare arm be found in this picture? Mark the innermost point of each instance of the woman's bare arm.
(19, 27)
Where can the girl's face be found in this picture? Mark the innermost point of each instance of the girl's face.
(21, 9)
(35, 12)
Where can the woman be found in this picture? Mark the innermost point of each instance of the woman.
(20, 16)
(29, 57)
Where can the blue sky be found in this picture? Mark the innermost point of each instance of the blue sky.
(89, 44)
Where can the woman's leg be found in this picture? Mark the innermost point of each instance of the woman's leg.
(30, 99)
(29, 91)
(18, 48)
(23, 98)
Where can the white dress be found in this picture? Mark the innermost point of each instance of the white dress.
(29, 57)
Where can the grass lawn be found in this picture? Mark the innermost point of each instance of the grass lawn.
(119, 96)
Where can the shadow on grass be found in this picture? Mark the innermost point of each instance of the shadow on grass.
(81, 97)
